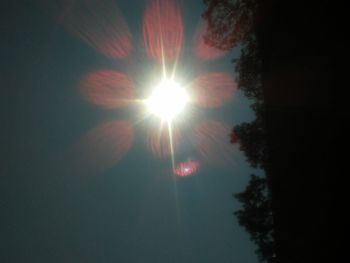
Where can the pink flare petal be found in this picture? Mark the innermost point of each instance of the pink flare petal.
(158, 141)
(162, 29)
(99, 23)
(186, 168)
(108, 89)
(203, 50)
(102, 147)
(212, 90)
(212, 141)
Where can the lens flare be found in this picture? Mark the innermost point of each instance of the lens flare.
(108, 89)
(186, 168)
(212, 90)
(203, 50)
(102, 147)
(167, 100)
(162, 29)
(211, 139)
(159, 141)
(99, 23)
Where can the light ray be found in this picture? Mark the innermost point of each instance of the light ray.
(171, 146)
(211, 139)
(174, 68)
(163, 58)
(212, 90)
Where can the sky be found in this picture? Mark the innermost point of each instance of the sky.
(133, 211)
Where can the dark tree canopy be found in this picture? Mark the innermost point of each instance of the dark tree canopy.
(256, 216)
(251, 139)
(231, 22)
(251, 136)
(248, 67)
(281, 56)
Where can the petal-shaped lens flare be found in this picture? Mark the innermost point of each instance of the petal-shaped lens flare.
(162, 29)
(159, 141)
(212, 90)
(102, 147)
(212, 141)
(99, 23)
(108, 89)
(186, 168)
(203, 50)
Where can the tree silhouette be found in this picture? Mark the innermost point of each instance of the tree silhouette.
(256, 216)
(251, 136)
(251, 139)
(248, 67)
(231, 23)
(299, 87)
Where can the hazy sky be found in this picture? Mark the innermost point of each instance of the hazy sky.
(133, 212)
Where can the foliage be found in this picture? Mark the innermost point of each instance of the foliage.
(256, 216)
(251, 139)
(252, 136)
(248, 67)
(231, 22)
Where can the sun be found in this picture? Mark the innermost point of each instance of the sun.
(167, 100)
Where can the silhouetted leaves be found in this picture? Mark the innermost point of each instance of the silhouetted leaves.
(256, 216)
(251, 136)
(248, 67)
(251, 139)
(231, 22)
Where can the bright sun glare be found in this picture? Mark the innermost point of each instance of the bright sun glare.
(167, 100)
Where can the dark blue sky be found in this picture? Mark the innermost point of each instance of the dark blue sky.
(133, 212)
